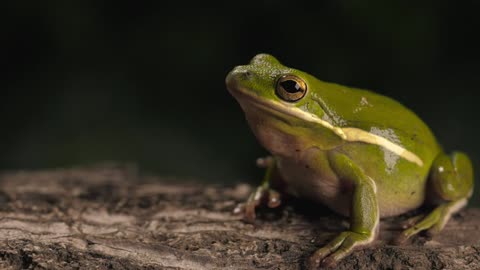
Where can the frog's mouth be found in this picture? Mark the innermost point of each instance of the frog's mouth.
(250, 99)
(280, 109)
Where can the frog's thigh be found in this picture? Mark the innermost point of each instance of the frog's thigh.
(451, 180)
(452, 176)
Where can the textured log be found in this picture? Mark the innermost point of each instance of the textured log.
(112, 217)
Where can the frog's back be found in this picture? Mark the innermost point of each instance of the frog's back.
(378, 115)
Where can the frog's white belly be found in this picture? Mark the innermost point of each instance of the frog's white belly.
(316, 181)
(308, 175)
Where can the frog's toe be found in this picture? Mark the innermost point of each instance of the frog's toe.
(409, 229)
(317, 258)
(261, 195)
(239, 209)
(273, 199)
(411, 221)
(431, 228)
(403, 237)
(434, 222)
(246, 211)
(338, 248)
(249, 212)
(425, 224)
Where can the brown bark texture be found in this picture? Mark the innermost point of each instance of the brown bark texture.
(113, 217)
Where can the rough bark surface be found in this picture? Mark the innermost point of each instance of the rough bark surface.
(113, 218)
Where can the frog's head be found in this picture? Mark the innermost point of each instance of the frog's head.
(266, 79)
(279, 101)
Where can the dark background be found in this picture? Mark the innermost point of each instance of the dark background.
(91, 81)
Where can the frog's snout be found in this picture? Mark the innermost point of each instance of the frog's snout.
(239, 73)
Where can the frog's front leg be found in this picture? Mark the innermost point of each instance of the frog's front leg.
(364, 214)
(451, 181)
(263, 192)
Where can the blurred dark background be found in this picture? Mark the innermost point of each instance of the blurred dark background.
(91, 81)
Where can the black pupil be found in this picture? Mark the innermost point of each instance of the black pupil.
(291, 86)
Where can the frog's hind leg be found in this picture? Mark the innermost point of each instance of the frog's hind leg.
(451, 182)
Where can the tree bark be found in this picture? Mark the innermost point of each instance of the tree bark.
(111, 217)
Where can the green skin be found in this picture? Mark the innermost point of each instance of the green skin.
(358, 178)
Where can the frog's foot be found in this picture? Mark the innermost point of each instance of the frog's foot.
(260, 195)
(338, 248)
(451, 180)
(263, 193)
(434, 222)
(411, 221)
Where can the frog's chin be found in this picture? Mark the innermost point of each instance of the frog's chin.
(275, 128)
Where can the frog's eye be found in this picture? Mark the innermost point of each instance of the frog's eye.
(290, 88)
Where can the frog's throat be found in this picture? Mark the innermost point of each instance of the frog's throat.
(346, 133)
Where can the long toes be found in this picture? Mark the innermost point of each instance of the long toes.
(340, 253)
(316, 259)
(322, 253)
(329, 262)
(249, 214)
(339, 248)
(411, 221)
(325, 258)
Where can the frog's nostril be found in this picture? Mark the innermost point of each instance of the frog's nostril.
(239, 73)
(246, 75)
(243, 72)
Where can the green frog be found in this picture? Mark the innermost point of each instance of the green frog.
(359, 153)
